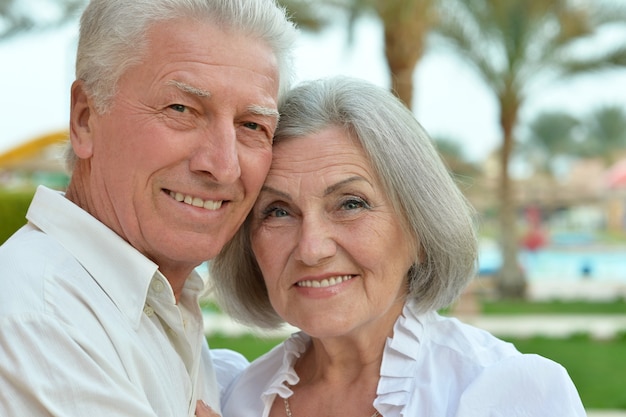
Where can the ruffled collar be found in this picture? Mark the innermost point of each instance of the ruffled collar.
(399, 365)
(286, 376)
(397, 372)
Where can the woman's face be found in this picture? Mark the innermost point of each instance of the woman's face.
(332, 250)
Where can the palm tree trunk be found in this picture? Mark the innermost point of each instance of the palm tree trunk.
(406, 24)
(511, 282)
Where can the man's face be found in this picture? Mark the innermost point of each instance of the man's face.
(178, 160)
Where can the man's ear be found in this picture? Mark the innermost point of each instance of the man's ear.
(81, 112)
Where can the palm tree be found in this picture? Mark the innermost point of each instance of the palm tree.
(452, 153)
(549, 135)
(606, 132)
(511, 44)
(599, 133)
(406, 24)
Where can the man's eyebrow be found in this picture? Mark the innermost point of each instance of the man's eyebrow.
(199, 92)
(189, 88)
(263, 111)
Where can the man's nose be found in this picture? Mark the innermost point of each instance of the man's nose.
(217, 154)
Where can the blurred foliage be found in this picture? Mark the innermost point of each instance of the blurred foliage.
(248, 345)
(452, 153)
(19, 16)
(550, 134)
(514, 307)
(13, 207)
(605, 129)
(599, 133)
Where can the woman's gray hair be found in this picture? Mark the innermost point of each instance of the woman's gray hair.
(113, 37)
(417, 182)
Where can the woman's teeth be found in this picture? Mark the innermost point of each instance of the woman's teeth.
(195, 201)
(325, 282)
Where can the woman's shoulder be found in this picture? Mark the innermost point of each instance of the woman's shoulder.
(436, 335)
(432, 354)
(526, 384)
(467, 341)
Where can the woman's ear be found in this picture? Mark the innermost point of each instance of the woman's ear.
(81, 112)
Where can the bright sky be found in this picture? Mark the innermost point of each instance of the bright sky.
(36, 71)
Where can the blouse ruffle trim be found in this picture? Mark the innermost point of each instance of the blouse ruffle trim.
(286, 375)
(399, 365)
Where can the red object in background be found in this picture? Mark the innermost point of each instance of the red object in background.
(615, 176)
(534, 240)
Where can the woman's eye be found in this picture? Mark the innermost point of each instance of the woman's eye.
(275, 212)
(279, 212)
(178, 107)
(354, 204)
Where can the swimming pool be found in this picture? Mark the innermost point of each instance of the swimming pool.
(562, 263)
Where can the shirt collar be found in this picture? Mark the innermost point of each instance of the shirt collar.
(122, 272)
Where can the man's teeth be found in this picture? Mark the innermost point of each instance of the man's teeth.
(195, 201)
(325, 282)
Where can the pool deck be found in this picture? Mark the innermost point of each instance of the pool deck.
(590, 290)
(601, 326)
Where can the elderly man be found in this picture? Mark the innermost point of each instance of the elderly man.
(172, 117)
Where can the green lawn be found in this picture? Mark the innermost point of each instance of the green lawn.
(553, 307)
(598, 368)
(248, 345)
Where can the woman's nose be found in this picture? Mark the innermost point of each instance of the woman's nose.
(316, 241)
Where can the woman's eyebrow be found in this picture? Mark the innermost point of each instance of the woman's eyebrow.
(271, 190)
(332, 188)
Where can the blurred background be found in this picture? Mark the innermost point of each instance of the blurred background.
(526, 102)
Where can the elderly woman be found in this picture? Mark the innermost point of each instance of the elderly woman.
(358, 237)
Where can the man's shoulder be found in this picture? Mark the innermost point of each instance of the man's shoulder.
(29, 249)
(32, 265)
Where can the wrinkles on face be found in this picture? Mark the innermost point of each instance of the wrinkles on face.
(322, 215)
(184, 130)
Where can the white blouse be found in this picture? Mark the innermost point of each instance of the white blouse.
(433, 366)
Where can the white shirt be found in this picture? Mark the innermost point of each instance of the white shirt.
(433, 366)
(89, 327)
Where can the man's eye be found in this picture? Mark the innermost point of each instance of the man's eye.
(178, 107)
(252, 126)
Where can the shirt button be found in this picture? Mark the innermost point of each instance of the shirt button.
(158, 286)
(148, 310)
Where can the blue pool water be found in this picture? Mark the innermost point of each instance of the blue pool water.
(562, 264)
